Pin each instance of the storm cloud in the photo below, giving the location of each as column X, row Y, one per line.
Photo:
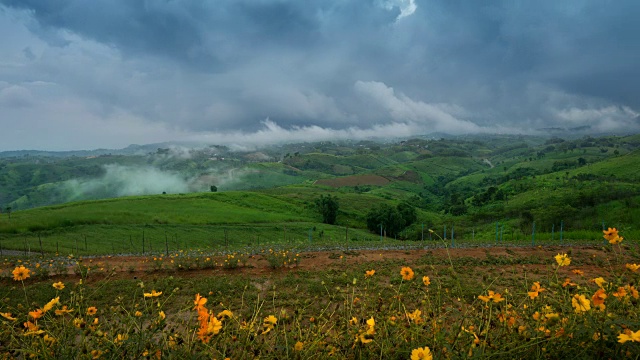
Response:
column 107, row 73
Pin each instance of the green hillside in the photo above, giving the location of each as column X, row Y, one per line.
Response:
column 466, row 183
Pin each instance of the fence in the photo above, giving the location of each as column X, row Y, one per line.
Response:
column 165, row 239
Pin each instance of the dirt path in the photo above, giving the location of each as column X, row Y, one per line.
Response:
column 128, row 267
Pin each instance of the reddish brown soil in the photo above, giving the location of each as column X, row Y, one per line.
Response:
column 129, row 267
column 355, row 180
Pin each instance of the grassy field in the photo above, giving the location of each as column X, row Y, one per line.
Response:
column 500, row 303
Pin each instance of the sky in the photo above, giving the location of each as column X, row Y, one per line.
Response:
column 77, row 74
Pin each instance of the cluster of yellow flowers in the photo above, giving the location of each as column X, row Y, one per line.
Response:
column 611, row 234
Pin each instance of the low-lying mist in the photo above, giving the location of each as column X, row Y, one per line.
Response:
column 120, row 180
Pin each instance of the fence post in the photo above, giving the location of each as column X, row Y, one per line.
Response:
column 561, row 232
column 533, row 234
column 496, row 239
column 453, row 244
column 553, row 229
column 445, row 232
column 501, row 231
column 40, row 241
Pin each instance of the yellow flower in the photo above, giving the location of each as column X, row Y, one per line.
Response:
column 369, row 273
column 629, row 335
column 137, row 314
column 492, row 296
column 96, row 354
column 269, row 323
column 563, row 259
column 225, row 314
column 59, row 285
column 426, row 281
column 120, row 338
column 7, row 316
column 48, row 306
column 162, row 315
column 633, row 267
column 153, row 293
column 21, row 273
column 92, row 310
column 415, row 316
column 421, row 354
column 63, row 311
column 371, row 323
column 611, row 234
column 353, row 321
column 407, row 273
column 48, row 339
column 599, row 281
column 578, row 272
column 78, row 322
column 298, row 346
column 580, row 303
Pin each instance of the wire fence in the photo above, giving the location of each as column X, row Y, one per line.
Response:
column 252, row 238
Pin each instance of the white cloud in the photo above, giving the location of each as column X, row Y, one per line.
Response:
column 407, row 7
column 15, row 96
column 436, row 117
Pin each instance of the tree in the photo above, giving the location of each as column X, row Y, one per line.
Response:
column 392, row 219
column 328, row 208
column 214, row 188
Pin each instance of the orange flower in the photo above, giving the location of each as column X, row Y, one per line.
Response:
column 36, row 314
column 21, row 273
column 426, row 281
column 199, row 302
column 63, row 311
column 620, row 293
column 578, row 272
column 407, row 273
column 92, row 310
column 598, row 298
column 567, row 282
column 369, row 273
column 492, row 296
column 633, row 267
column 536, row 289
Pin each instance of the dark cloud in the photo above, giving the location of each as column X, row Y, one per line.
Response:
column 191, row 67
